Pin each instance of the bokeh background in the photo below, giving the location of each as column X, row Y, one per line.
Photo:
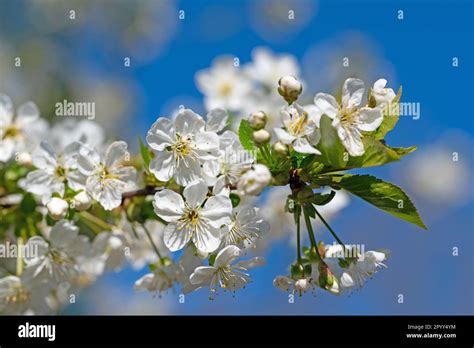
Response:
column 83, row 59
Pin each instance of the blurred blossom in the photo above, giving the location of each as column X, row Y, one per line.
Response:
column 223, row 85
column 323, row 63
column 113, row 98
column 141, row 28
column 433, row 174
column 281, row 20
column 49, row 16
column 71, row 130
column 250, row 88
column 267, row 67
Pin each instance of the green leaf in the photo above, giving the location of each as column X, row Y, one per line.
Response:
column 245, row 136
column 383, row 195
column 391, row 116
column 145, row 153
column 323, row 199
column 332, row 150
column 403, row 151
column 376, row 154
column 235, row 199
column 28, row 204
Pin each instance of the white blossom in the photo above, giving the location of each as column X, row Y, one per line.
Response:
column 300, row 129
column 21, row 133
column 190, row 220
column 233, row 160
column 358, row 269
column 107, row 179
column 383, row 96
column 54, row 171
column 246, row 227
column 181, row 147
column 163, row 277
column 267, row 67
column 25, row 295
column 224, row 272
column 223, row 85
column 56, row 257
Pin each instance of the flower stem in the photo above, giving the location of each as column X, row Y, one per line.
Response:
column 152, row 242
column 330, row 229
column 298, row 237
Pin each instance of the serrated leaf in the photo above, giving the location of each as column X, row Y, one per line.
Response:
column 385, row 196
column 391, row 116
column 331, row 148
column 245, row 136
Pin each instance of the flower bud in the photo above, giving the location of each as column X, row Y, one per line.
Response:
column 81, row 201
column 289, row 88
column 57, row 208
column 261, row 136
column 280, row 148
column 253, row 181
column 24, row 159
column 257, row 120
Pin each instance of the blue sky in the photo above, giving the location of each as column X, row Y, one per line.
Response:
column 415, row 52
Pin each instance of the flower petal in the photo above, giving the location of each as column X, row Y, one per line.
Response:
column 6, row 110
column 379, row 85
column 168, row 205
column 175, row 239
column 195, row 194
column 44, row 157
column 253, row 262
column 216, row 120
column 227, row 255
column 346, row 280
column 352, row 93
column 350, row 138
column 207, row 143
column 26, row 114
column 207, row 239
column 202, row 275
column 218, row 209
column 116, row 153
column 302, row 145
column 369, row 119
column 160, row 134
column 284, row 136
column 188, row 122
column 327, row 104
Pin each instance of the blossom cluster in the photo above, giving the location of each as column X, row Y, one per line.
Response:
column 86, row 206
